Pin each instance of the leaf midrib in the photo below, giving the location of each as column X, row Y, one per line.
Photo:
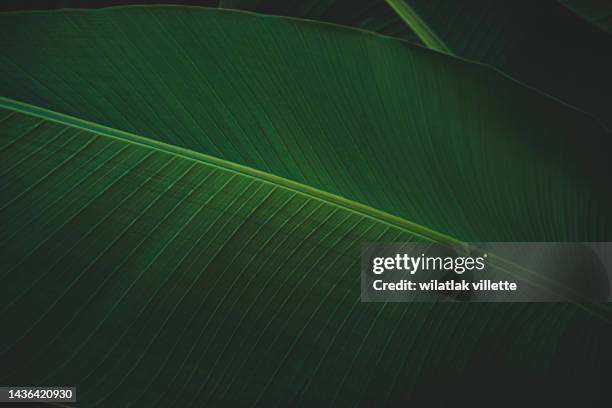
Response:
column 420, row 27
column 361, row 209
column 325, row 197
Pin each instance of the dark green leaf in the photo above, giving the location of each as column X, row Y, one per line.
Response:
column 11, row 5
column 372, row 15
column 538, row 42
column 154, row 276
column 150, row 274
column 432, row 139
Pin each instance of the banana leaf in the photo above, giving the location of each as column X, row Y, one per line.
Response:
column 372, row 15
column 13, row 5
column 393, row 126
column 364, row 14
column 185, row 193
column 539, row 42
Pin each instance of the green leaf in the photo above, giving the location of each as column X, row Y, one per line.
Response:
column 372, row 15
column 434, row 140
column 151, row 275
column 12, row 5
column 190, row 235
column 119, row 238
column 540, row 43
